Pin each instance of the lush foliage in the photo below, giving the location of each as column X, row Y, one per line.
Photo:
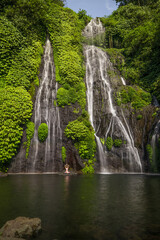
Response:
column 136, row 2
column 23, row 30
column 27, row 63
column 109, row 143
column 63, row 154
column 135, row 31
column 65, row 32
column 82, row 134
column 118, row 142
column 15, row 110
column 137, row 97
column 29, row 134
column 89, row 167
column 82, row 14
column 42, row 132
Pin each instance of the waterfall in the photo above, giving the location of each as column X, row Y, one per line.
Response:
column 123, row 81
column 155, row 143
column 46, row 111
column 100, row 95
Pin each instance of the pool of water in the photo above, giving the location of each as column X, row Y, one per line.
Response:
column 110, row 207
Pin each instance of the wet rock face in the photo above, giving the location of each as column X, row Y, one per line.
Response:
column 21, row 227
column 46, row 156
column 110, row 120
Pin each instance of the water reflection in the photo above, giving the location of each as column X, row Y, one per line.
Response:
column 110, row 207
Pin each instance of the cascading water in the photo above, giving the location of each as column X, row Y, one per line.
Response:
column 46, row 112
column 155, row 144
column 46, row 156
column 155, row 140
column 123, row 81
column 99, row 93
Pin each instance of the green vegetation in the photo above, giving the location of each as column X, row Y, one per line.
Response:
column 65, row 32
column 154, row 114
column 29, row 134
column 82, row 134
column 85, row 19
column 116, row 57
column 102, row 141
column 150, row 156
column 117, row 142
column 42, row 132
column 89, row 167
column 134, row 95
column 63, row 154
column 15, row 110
column 24, row 26
column 132, row 33
column 150, row 152
column 109, row 143
column 139, row 117
column 65, row 28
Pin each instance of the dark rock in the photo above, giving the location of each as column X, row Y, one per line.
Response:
column 21, row 227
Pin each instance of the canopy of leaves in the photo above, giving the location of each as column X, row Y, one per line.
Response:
column 23, row 29
column 15, row 110
column 135, row 30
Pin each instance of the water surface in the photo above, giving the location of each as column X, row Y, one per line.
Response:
column 110, row 207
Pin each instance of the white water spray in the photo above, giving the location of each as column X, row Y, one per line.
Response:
column 97, row 63
column 45, row 111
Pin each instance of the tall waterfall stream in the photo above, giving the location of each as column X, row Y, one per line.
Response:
column 98, row 82
column 44, row 157
column 45, row 111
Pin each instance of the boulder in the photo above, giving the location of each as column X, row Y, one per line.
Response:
column 21, row 227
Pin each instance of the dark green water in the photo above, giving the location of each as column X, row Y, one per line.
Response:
column 111, row 207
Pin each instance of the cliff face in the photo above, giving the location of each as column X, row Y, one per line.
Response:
column 46, row 156
column 121, row 130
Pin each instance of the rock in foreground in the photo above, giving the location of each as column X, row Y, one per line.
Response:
column 21, row 227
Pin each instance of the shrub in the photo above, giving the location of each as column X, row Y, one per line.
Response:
column 42, row 132
column 63, row 154
column 109, row 143
column 139, row 117
column 29, row 134
column 83, row 138
column 117, row 142
column 137, row 97
column 89, row 167
column 15, row 111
